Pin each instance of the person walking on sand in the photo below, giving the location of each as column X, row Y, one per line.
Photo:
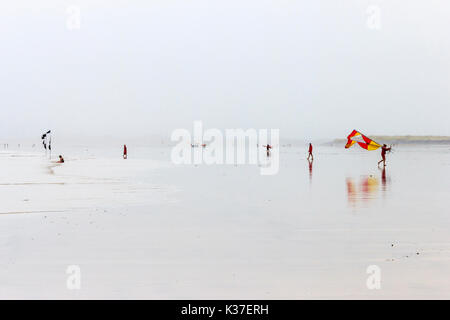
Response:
column 125, row 152
column 310, row 152
column 384, row 149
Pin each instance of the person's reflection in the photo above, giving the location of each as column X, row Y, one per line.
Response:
column 384, row 180
column 310, row 170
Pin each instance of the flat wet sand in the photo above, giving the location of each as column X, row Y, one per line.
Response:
column 144, row 228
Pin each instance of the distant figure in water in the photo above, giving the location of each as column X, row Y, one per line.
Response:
column 384, row 149
column 310, row 152
column 268, row 147
column 61, row 159
column 125, row 153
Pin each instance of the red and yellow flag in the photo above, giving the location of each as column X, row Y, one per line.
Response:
column 363, row 141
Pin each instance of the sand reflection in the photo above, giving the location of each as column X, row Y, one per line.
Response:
column 363, row 190
column 367, row 188
column 310, row 166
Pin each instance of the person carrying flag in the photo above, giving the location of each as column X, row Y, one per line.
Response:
column 384, row 149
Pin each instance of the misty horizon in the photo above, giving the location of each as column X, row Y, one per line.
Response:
column 313, row 70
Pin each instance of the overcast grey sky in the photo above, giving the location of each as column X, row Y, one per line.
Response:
column 314, row 69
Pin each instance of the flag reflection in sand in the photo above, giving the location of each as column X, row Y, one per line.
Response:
column 363, row 190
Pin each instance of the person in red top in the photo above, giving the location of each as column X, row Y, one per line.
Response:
column 125, row 155
column 384, row 149
column 310, row 152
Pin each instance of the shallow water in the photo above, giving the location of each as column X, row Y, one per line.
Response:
column 145, row 228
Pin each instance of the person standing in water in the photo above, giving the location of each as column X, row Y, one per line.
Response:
column 125, row 152
column 268, row 147
column 310, row 152
column 384, row 149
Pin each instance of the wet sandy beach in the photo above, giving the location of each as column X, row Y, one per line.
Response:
column 144, row 228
